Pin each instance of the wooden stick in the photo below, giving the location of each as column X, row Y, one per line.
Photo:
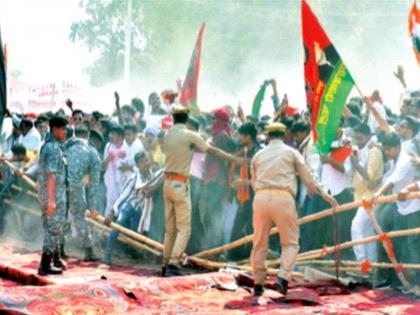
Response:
column 359, row 91
column 123, row 238
column 218, row 265
column 344, row 269
column 28, row 192
column 26, row 209
column 307, row 219
column 19, row 173
column 357, row 263
column 391, row 256
column 318, row 253
column 130, row 233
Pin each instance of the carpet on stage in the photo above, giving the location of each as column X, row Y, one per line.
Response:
column 92, row 288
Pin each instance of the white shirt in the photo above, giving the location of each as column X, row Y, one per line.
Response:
column 128, row 193
column 373, row 124
column 335, row 181
column 131, row 150
column 401, row 175
column 114, row 178
column 197, row 164
column 154, row 121
column 32, row 140
column 409, row 147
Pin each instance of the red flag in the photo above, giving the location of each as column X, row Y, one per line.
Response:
column 414, row 29
column 189, row 88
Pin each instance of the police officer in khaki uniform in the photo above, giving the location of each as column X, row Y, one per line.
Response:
column 179, row 146
column 274, row 179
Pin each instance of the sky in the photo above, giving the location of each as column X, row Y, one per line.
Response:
column 36, row 33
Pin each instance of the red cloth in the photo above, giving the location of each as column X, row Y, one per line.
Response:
column 292, row 111
column 167, row 122
column 93, row 288
column 222, row 122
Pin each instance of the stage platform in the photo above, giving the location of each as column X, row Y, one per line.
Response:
column 92, row 288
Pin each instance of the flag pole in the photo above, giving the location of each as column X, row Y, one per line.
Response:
column 359, row 90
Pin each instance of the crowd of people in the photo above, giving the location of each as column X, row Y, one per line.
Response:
column 117, row 165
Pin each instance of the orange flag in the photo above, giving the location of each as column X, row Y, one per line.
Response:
column 414, row 29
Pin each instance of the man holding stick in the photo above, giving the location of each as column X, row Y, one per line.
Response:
column 180, row 144
column 403, row 214
column 52, row 193
column 274, row 179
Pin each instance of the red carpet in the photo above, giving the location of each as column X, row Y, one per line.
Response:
column 98, row 289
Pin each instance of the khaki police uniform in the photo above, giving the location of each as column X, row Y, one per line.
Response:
column 274, row 173
column 180, row 144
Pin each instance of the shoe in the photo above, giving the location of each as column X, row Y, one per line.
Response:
column 258, row 290
column 282, row 285
column 45, row 267
column 89, row 256
column 63, row 254
column 58, row 262
column 174, row 271
column 163, row 272
column 107, row 258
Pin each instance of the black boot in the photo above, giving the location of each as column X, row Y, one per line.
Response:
column 58, row 262
column 258, row 290
column 45, row 267
column 282, row 285
column 62, row 252
column 89, row 256
column 163, row 272
column 173, row 271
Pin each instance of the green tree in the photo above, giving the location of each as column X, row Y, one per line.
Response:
column 240, row 36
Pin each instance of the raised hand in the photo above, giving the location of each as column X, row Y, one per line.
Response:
column 69, row 104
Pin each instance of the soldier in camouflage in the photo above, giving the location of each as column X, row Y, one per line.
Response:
column 84, row 169
column 52, row 192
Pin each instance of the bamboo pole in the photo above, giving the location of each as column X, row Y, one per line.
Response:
column 388, row 250
column 319, row 253
column 357, row 264
column 219, row 265
column 26, row 209
column 199, row 261
column 28, row 192
column 343, row 269
column 19, row 173
column 306, row 219
column 99, row 218
column 123, row 238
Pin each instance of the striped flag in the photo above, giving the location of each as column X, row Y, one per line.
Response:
column 328, row 82
column 414, row 29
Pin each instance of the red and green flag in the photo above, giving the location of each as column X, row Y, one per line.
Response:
column 189, row 88
column 328, row 82
column 414, row 29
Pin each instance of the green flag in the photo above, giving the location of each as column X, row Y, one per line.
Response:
column 256, row 106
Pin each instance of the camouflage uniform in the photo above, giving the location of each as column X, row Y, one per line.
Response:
column 52, row 160
column 83, row 160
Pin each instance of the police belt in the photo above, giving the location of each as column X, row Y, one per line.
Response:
column 274, row 192
column 176, row 177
